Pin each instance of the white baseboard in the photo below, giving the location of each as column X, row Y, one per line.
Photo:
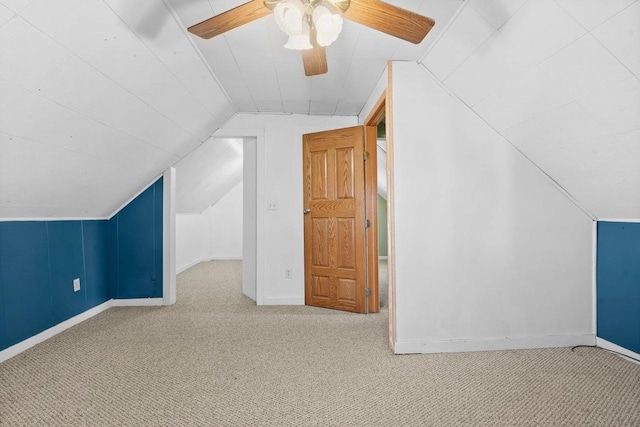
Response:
column 18, row 348
column 137, row 302
column 189, row 265
column 283, row 301
column 614, row 347
column 458, row 346
column 199, row 260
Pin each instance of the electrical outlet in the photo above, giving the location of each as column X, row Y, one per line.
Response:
column 272, row 205
column 287, row 273
column 76, row 285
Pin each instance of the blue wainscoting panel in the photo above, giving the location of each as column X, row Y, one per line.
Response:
column 96, row 262
column 618, row 284
column 112, row 255
column 67, row 263
column 24, row 280
column 119, row 258
column 139, row 246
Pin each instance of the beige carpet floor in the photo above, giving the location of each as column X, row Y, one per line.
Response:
column 216, row 359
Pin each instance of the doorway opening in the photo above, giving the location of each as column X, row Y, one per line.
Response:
column 379, row 123
column 216, row 206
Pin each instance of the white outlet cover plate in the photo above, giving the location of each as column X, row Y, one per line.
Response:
column 76, row 285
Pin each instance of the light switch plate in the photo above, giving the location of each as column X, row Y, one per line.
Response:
column 76, row 285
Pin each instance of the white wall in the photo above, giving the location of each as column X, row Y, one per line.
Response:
column 225, row 218
column 280, row 232
column 250, row 218
column 215, row 233
column 191, row 240
column 489, row 253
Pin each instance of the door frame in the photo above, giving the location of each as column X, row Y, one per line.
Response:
column 256, row 269
column 382, row 109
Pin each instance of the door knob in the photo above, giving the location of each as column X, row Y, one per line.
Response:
column 306, row 211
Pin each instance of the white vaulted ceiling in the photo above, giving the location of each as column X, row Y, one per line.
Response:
column 92, row 108
column 208, row 173
column 260, row 75
column 560, row 80
column 99, row 97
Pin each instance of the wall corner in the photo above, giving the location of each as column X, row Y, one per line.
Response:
column 169, row 237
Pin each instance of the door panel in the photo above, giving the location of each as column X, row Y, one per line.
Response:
column 334, row 226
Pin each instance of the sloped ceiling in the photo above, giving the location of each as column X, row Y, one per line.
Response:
column 98, row 97
column 560, row 80
column 260, row 75
column 208, row 173
column 93, row 105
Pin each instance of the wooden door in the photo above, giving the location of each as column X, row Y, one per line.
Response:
column 334, row 222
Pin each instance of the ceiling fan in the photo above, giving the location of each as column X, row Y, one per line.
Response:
column 313, row 24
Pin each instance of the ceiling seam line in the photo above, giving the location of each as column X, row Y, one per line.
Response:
column 615, row 56
column 590, row 32
column 244, row 80
column 90, row 118
column 446, row 28
column 178, row 21
column 159, row 60
column 71, row 151
column 104, row 75
column 552, row 181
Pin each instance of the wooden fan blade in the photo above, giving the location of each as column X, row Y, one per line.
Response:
column 315, row 61
column 231, row 19
column 390, row 19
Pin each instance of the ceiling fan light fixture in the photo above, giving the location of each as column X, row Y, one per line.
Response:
column 300, row 41
column 289, row 16
column 328, row 25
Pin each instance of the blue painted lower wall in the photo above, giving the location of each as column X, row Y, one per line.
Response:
column 119, row 258
column 38, row 262
column 135, row 247
column 618, row 284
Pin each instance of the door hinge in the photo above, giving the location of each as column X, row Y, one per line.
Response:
column 367, row 223
column 367, row 292
column 366, row 155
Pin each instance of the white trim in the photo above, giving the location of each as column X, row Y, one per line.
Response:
column 189, row 265
column 137, row 302
column 383, row 257
column 18, row 348
column 455, row 346
column 594, row 266
column 134, row 197
column 207, row 259
column 238, row 133
column 614, row 347
column 283, row 301
column 261, row 155
column 619, row 219
column 51, row 219
column 260, row 184
column 169, row 236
